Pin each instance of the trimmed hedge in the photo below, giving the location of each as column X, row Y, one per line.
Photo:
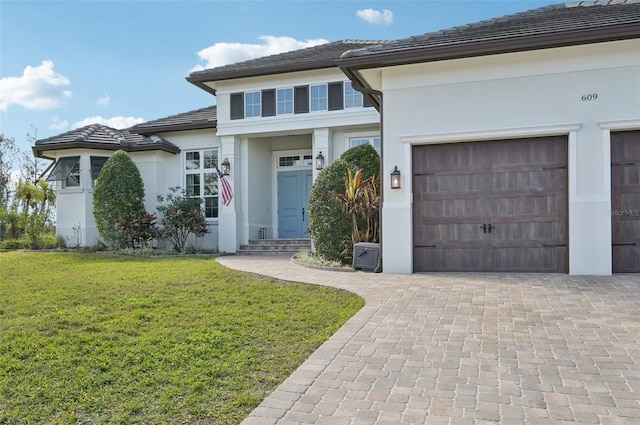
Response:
column 329, row 224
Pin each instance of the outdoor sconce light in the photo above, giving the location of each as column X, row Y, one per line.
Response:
column 226, row 167
column 319, row 161
column 395, row 178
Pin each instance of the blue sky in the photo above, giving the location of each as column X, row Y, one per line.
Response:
column 64, row 64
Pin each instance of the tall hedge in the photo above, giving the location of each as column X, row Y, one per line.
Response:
column 118, row 195
column 329, row 224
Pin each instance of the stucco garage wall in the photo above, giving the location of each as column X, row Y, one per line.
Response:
column 577, row 91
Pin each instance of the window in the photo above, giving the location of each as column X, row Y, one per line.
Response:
column 66, row 170
column 352, row 97
column 97, row 162
column 201, row 179
column 373, row 141
column 252, row 104
column 285, row 101
column 319, row 97
column 295, row 161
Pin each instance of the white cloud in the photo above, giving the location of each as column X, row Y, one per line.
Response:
column 104, row 100
column 57, row 124
column 221, row 54
column 39, row 87
column 384, row 17
column 114, row 122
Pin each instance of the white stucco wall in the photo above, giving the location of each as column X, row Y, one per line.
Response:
column 515, row 95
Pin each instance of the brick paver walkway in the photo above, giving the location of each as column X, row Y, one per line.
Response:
column 466, row 349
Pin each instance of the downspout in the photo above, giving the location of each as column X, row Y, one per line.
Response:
column 376, row 98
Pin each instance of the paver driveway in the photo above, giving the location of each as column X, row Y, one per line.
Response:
column 466, row 349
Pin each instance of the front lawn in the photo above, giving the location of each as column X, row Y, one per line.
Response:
column 93, row 339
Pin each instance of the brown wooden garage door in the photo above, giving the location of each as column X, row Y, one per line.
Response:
column 625, row 201
column 491, row 206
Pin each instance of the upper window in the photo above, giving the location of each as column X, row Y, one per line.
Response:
column 67, row 170
column 252, row 104
column 319, row 97
column 352, row 97
column 285, row 101
column 373, row 141
column 201, row 179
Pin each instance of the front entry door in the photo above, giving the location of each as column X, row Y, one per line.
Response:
column 293, row 194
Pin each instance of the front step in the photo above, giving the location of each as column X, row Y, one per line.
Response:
column 288, row 247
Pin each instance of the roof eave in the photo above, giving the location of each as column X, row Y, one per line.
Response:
column 492, row 47
column 39, row 150
column 222, row 75
column 151, row 130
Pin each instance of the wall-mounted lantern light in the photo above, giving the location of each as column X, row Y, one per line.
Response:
column 319, row 161
column 226, row 167
column 395, row 178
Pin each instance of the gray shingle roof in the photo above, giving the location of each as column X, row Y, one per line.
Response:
column 317, row 57
column 192, row 120
column 98, row 136
column 551, row 26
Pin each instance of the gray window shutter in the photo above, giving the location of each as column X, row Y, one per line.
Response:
column 366, row 102
column 301, row 99
column 268, row 103
column 237, row 106
column 336, row 96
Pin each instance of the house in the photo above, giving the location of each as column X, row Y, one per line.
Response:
column 517, row 142
column 274, row 116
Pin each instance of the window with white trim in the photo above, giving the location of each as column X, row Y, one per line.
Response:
column 352, row 97
column 373, row 141
column 318, row 95
column 285, row 101
column 201, row 179
column 252, row 104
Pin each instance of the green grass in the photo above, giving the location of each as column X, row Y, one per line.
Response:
column 90, row 339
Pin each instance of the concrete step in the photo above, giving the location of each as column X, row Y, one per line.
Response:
column 274, row 247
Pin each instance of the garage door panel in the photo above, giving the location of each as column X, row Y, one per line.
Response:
column 625, row 201
column 513, row 203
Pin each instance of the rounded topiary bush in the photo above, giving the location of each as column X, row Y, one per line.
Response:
column 329, row 224
column 118, row 195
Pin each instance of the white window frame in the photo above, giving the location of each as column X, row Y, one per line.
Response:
column 322, row 101
column 352, row 97
column 370, row 139
column 252, row 108
column 284, row 101
column 208, row 191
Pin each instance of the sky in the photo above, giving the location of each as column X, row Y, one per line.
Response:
column 66, row 64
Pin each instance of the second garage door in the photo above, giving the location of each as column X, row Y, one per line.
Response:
column 491, row 206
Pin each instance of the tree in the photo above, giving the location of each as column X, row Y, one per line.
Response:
column 118, row 196
column 8, row 154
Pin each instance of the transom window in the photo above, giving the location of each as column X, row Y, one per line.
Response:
column 318, row 97
column 295, row 161
column 285, row 101
column 252, row 104
column 373, row 141
column 201, row 179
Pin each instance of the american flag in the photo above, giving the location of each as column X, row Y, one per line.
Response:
column 227, row 193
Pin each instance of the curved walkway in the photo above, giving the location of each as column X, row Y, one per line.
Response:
column 466, row 349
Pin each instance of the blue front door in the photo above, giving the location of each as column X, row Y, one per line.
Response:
column 293, row 194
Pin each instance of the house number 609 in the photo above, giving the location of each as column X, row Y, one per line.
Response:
column 589, row 97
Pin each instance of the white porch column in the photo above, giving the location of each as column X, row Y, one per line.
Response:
column 321, row 143
column 228, row 226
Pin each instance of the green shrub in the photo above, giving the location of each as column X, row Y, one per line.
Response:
column 182, row 219
column 330, row 225
column 12, row 244
column 118, row 194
